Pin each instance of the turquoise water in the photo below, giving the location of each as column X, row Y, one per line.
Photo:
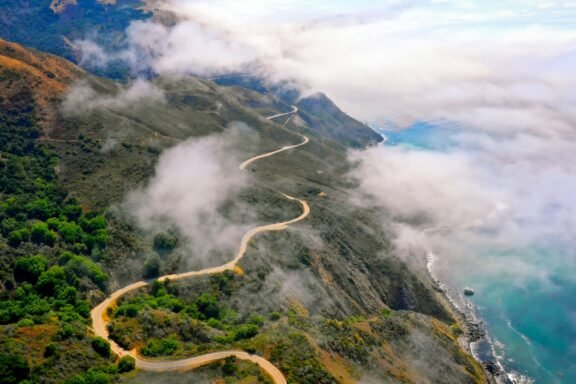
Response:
column 534, row 321
column 526, row 294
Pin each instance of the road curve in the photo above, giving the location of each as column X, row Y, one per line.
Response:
column 292, row 112
column 286, row 148
column 100, row 318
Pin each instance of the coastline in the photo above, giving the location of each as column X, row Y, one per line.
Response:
column 475, row 338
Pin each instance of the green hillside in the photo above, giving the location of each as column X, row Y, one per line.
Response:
column 65, row 244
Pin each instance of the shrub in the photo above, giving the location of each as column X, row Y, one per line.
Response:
column 256, row 319
column 165, row 242
column 72, row 211
column 15, row 238
column 164, row 347
column 25, row 323
column 51, row 350
column 39, row 209
column 72, row 330
column 13, row 369
column 246, row 331
column 208, row 307
column 30, row 268
column 51, row 281
column 41, row 234
column 171, row 303
column 101, row 346
column 152, row 267
column 229, row 367
column 129, row 310
column 96, row 240
column 126, row 364
column 81, row 266
column 70, row 232
column 456, row 330
column 93, row 224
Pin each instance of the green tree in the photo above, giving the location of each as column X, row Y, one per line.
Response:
column 101, row 346
column 51, row 349
column 30, row 268
column 97, row 239
column 93, row 224
column 81, row 266
column 165, row 242
column 41, row 234
column 8, row 225
column 72, row 211
column 208, row 306
column 126, row 364
column 53, row 223
column 39, row 209
column 129, row 310
column 13, row 369
column 70, row 232
column 229, row 366
column 15, row 238
column 51, row 281
column 152, row 267
column 246, row 331
column 164, row 347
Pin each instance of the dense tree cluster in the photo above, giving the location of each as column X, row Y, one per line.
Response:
column 202, row 320
column 50, row 248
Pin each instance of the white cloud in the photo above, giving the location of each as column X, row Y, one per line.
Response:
column 82, row 97
column 192, row 182
column 500, row 70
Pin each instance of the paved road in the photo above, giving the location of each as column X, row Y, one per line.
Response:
column 100, row 318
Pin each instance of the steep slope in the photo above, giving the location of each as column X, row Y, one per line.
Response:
column 353, row 309
column 57, row 21
column 33, row 80
column 321, row 114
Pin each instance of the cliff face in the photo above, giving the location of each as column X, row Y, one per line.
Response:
column 355, row 311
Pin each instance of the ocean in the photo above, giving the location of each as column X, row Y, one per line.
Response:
column 525, row 287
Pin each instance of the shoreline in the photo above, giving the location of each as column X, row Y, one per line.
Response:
column 475, row 339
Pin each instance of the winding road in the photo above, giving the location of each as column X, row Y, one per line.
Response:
column 292, row 113
column 100, row 318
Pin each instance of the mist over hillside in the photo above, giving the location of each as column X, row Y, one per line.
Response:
column 201, row 191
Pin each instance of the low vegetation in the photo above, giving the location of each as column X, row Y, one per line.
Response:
column 163, row 324
column 313, row 301
column 49, row 252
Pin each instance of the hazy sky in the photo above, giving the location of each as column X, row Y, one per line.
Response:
column 399, row 60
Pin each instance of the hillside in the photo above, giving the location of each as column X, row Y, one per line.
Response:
column 354, row 310
column 57, row 22
column 33, row 80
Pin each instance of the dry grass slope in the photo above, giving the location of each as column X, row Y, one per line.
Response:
column 45, row 76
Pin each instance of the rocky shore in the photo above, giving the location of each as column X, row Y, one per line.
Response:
column 475, row 338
